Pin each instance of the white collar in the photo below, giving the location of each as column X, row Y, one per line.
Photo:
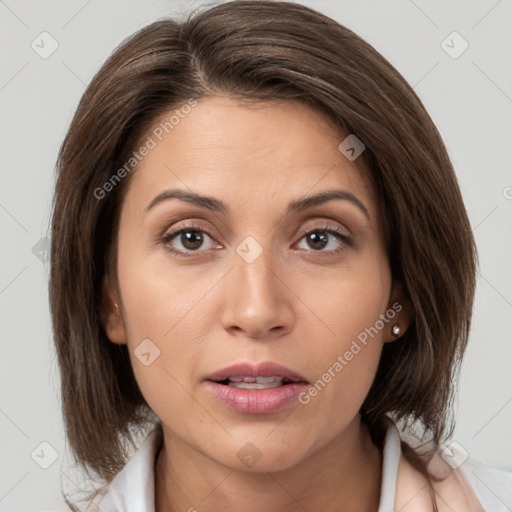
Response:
column 133, row 488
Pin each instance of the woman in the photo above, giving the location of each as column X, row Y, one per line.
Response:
column 262, row 261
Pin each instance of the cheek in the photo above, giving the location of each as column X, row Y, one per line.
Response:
column 160, row 299
column 349, row 302
column 352, row 306
column 161, row 326
column 350, row 356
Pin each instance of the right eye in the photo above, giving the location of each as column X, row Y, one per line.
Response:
column 190, row 238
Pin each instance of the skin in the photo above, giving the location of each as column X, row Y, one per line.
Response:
column 297, row 304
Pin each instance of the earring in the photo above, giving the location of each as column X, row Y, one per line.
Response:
column 395, row 330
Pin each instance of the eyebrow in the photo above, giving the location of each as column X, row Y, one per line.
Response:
column 215, row 205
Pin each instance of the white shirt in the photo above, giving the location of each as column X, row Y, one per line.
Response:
column 133, row 488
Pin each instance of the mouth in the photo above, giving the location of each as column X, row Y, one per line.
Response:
column 265, row 388
column 245, row 382
column 256, row 376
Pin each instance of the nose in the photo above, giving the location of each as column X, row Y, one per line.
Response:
column 258, row 300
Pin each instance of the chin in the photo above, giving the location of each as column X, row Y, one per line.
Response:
column 262, row 457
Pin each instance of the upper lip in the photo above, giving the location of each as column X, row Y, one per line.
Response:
column 265, row 369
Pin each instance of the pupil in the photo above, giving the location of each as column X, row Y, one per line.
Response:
column 191, row 239
column 313, row 237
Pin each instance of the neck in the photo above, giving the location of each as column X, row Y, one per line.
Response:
column 346, row 472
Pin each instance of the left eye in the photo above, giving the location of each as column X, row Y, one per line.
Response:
column 318, row 239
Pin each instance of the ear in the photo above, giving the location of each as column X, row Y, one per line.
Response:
column 111, row 315
column 399, row 313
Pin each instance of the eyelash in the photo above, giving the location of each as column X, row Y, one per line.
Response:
column 347, row 242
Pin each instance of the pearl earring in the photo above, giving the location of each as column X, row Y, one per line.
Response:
column 395, row 330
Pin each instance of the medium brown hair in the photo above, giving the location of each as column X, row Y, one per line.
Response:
column 258, row 50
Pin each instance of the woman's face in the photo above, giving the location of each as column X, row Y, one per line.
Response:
column 252, row 282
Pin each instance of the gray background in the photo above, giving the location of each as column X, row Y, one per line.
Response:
column 469, row 98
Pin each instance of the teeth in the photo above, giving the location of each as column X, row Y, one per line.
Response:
column 255, row 385
column 242, row 382
column 259, row 380
column 245, row 382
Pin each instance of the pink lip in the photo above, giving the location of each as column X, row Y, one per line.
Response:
column 256, row 401
column 265, row 369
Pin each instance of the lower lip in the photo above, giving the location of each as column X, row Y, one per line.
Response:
column 257, row 401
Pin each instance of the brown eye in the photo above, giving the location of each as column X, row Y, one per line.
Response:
column 189, row 239
column 320, row 238
column 316, row 241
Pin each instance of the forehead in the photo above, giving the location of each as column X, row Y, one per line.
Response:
column 268, row 150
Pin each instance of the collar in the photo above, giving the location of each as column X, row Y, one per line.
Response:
column 133, row 488
column 402, row 486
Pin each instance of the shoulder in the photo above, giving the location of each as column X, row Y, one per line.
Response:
column 459, row 483
column 132, row 489
column 492, row 486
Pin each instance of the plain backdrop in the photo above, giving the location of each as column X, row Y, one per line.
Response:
column 469, row 97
